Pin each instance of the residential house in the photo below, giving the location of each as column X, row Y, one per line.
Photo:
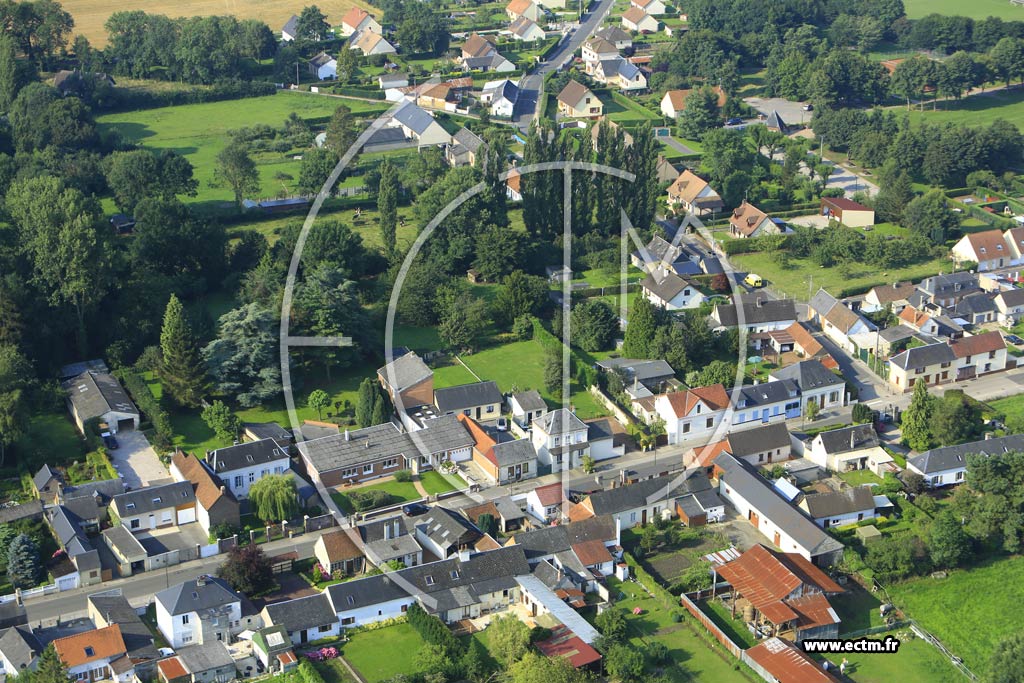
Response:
column 19, row 650
column 357, row 19
column 506, row 512
column 305, row 619
column 242, row 465
column 513, row 185
column 767, row 402
column 946, row 290
column 788, row 595
column 672, row 292
column 408, row 381
column 692, row 414
column 855, row 447
column 526, row 30
column 759, row 314
column 371, row 43
column 463, row 149
column 987, row 249
column 495, row 63
column 381, row 450
column 665, row 171
column 107, row 609
column 596, row 50
column 337, row 551
column 545, row 502
column 652, row 7
column 97, row 655
column 847, row 212
column 759, row 446
column 1009, row 304
column 659, row 253
column 71, row 537
column 434, row 96
column 616, row 36
column 47, row 483
column 896, row 296
column 620, row 73
column 635, row 19
column 479, row 400
column 522, row 8
column 606, row 440
column 981, row 308
column 749, row 221
column 560, row 439
column 526, row 406
column 948, row 465
column 839, row 508
column 204, row 663
column 693, row 194
column 323, row 67
column 779, row 660
column 203, row 610
column 393, row 80
column 797, row 339
column 95, row 395
column 155, row 507
column 838, row 322
column 290, row 29
column 216, row 506
column 419, row 126
column 1015, row 241
column 933, row 324
column 653, row 374
column 502, row 462
column 777, row 520
column 501, row 97
column 131, row 556
column 816, row 383
column 444, row 532
column 388, row 539
column 577, row 101
column 979, row 354
column 477, row 45
column 673, row 102
column 645, row 501
column 273, row 648
column 930, row 364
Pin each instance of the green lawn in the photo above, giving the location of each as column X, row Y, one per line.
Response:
column 977, row 9
column 796, row 281
column 1012, row 406
column 915, row 660
column 384, row 652
column 199, row 132
column 978, row 110
column 434, row 482
column 400, row 491
column 450, row 373
column 49, row 438
column 732, row 627
column 860, row 477
column 970, row 611
column 857, row 609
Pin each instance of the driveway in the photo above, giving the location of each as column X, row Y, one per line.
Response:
column 738, row 530
column 184, row 537
column 136, row 461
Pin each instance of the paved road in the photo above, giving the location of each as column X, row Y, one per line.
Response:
column 530, row 85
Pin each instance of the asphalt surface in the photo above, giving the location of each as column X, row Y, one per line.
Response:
column 530, row 85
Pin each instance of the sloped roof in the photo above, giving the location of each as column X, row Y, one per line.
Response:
column 522, row 25
column 972, row 345
column 530, row 400
column 197, row 594
column 757, row 310
column 622, row 498
column 767, row 393
column 838, row 503
column 804, row 339
column 151, row 498
column 898, row 291
column 614, row 34
column 95, row 394
column 634, row 15
column 682, row 402
column 414, row 118
column 205, row 657
column 787, row 663
column 246, row 454
column 775, row 121
column 354, row 17
column 955, row 457
column 518, row 6
column 44, row 475
column 405, row 371
column 749, row 441
column 987, row 244
column 746, row 218
column 846, row 439
column 291, row 25
column 340, row 546
column 808, row 374
column 208, row 487
column 462, row 396
column 923, row 356
column 478, row 46
column 302, row 613
column 90, row 646
column 20, row 647
column 600, row 46
column 446, row 528
column 572, row 93
column 688, row 185
column 549, row 494
column 559, row 421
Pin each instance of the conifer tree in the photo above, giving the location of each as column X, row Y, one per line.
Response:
column 182, row 371
column 917, row 418
column 23, row 567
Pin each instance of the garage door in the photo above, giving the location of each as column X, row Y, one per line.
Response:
column 186, row 516
column 125, row 425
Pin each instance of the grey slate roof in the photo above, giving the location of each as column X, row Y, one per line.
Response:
column 852, row 438
column 768, row 311
column 514, row 452
column 759, row 439
column 20, row 647
column 647, row 492
column 267, row 430
column 124, row 541
column 447, row 528
column 755, row 490
column 485, row 63
column 458, row 398
column 408, row 370
column 508, row 509
column 392, row 548
column 550, row 540
column 559, row 421
column 205, row 657
column 291, row 26
column 613, row 34
column 44, row 475
column 985, row 303
column 946, row 284
column 822, row 302
column 641, row 370
column 359, row 593
column 414, row 118
column 505, row 89
column 955, row 457
column 67, row 527
column 444, row 433
column 152, row 498
column 190, row 596
column 96, row 394
column 665, row 285
column 138, row 640
column 808, row 374
column 838, row 503
column 775, row 121
column 106, row 488
column 896, row 333
column 244, row 455
column 76, row 369
column 468, row 139
column 923, row 356
column 32, row 508
column 302, row 613
column 530, row 400
column 373, row 530
column 767, row 393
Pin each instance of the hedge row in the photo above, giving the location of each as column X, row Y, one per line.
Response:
column 125, row 99
column 749, row 246
column 308, row 672
column 357, row 91
column 653, row 587
column 146, row 402
column 432, row 630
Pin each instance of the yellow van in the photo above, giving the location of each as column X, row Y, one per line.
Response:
column 753, row 280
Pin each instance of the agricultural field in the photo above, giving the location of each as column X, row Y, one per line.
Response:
column 90, row 15
column 978, row 9
column 977, row 110
column 199, row 132
column 967, row 610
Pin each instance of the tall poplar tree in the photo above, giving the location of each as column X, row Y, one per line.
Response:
column 182, row 370
column 387, row 207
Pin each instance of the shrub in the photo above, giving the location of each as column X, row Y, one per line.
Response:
column 403, row 476
column 370, row 499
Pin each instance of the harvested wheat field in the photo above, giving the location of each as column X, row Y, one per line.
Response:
column 90, row 15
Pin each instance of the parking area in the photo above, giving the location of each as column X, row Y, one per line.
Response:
column 792, row 113
column 136, row 461
column 738, row 530
column 185, row 537
column 812, row 221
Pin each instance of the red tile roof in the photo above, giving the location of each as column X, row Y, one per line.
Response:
column 566, row 644
column 787, row 663
column 354, row 17
column 978, row 343
column 592, row 552
column 682, row 402
column 484, row 442
column 172, row 668
column 844, row 204
column 287, row 657
column 550, row 494
column 90, row 646
column 340, row 546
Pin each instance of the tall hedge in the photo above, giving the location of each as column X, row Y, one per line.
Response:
column 146, row 402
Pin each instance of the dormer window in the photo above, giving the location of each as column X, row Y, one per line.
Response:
column 89, row 652
column 130, row 506
column 156, row 501
column 429, row 580
column 455, row 573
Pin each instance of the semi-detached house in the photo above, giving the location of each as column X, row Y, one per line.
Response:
column 560, row 439
column 215, row 504
column 838, row 508
column 942, row 362
column 948, row 465
column 816, row 383
column 242, row 465
column 154, row 507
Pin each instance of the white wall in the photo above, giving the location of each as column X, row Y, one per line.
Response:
column 767, row 528
column 238, row 481
column 374, row 613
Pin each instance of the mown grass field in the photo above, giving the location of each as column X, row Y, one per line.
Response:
column 978, row 9
column 977, row 110
column 199, row 132
column 90, row 15
column 385, row 652
column 968, row 610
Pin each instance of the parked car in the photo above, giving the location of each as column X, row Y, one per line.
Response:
column 734, row 122
column 808, row 107
column 502, row 424
column 1014, row 339
column 109, row 441
column 753, row 280
column 415, row 509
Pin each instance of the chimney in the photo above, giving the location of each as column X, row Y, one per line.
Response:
column 760, row 302
column 367, row 444
column 346, row 435
column 988, row 435
column 853, row 439
column 223, row 489
column 387, row 531
column 465, row 554
column 201, row 580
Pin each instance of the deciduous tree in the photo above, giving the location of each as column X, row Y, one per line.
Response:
column 275, row 498
column 247, row 570
column 219, row 417
column 509, row 639
column 319, row 401
column 236, row 169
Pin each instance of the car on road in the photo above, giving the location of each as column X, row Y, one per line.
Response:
column 734, row 122
column 753, row 280
column 415, row 509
